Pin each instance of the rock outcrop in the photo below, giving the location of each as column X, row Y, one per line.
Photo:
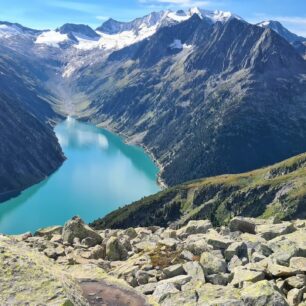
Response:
column 197, row 264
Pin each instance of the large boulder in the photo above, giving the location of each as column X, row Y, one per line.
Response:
column 212, row 264
column 298, row 263
column 177, row 281
column 217, row 241
column 115, row 250
column 76, row 228
column 281, row 271
column 174, row 270
column 237, row 248
column 244, row 225
column 195, row 270
column 262, row 293
column 197, row 246
column 298, row 281
column 270, row 231
column 195, row 227
column 295, row 296
column 163, row 290
column 242, row 275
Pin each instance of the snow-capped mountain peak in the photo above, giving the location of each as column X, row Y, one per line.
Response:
column 8, row 29
column 114, row 35
column 78, row 30
column 214, row 16
column 277, row 27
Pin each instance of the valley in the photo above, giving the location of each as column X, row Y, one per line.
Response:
column 195, row 117
column 176, row 83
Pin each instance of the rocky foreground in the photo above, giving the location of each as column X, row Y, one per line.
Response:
column 250, row 262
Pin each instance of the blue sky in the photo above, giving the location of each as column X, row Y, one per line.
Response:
column 43, row 14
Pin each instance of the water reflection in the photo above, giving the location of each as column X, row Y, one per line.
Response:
column 83, row 135
column 100, row 174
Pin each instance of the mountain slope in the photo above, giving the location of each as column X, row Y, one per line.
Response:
column 298, row 42
column 29, row 150
column 205, row 99
column 278, row 191
column 281, row 30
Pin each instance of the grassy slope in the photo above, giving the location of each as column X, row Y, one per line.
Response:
column 278, row 190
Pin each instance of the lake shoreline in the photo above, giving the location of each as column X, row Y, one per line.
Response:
column 102, row 173
column 127, row 140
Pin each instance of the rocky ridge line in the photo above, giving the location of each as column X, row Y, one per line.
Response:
column 250, row 262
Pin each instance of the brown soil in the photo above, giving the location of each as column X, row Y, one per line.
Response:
column 100, row 293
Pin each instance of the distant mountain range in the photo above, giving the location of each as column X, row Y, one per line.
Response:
column 206, row 92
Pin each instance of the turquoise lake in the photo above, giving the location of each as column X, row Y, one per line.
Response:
column 101, row 173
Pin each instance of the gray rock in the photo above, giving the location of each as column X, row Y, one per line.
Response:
column 142, row 277
column 147, row 288
column 75, row 228
column 195, row 227
column 222, row 279
column 256, row 257
column 295, row 296
column 298, row 281
column 281, row 271
column 48, row 232
column 236, row 248
column 197, row 247
column 88, row 242
column 97, row 252
column 244, row 225
column 212, row 264
column 195, row 270
column 54, row 253
column 177, row 281
column 186, row 255
column 174, row 271
column 298, row 263
column 163, row 290
column 115, row 250
column 57, row 239
column 169, row 242
column 218, row 242
column 169, row 233
column 262, row 293
column 234, row 262
column 181, row 298
column 242, row 275
column 270, row 231
column 131, row 233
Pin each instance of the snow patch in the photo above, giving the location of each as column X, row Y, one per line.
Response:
column 51, row 38
column 117, row 41
column 8, row 30
column 178, row 18
column 177, row 44
column 214, row 16
column 264, row 24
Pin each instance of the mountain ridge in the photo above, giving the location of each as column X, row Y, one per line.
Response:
column 265, row 58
